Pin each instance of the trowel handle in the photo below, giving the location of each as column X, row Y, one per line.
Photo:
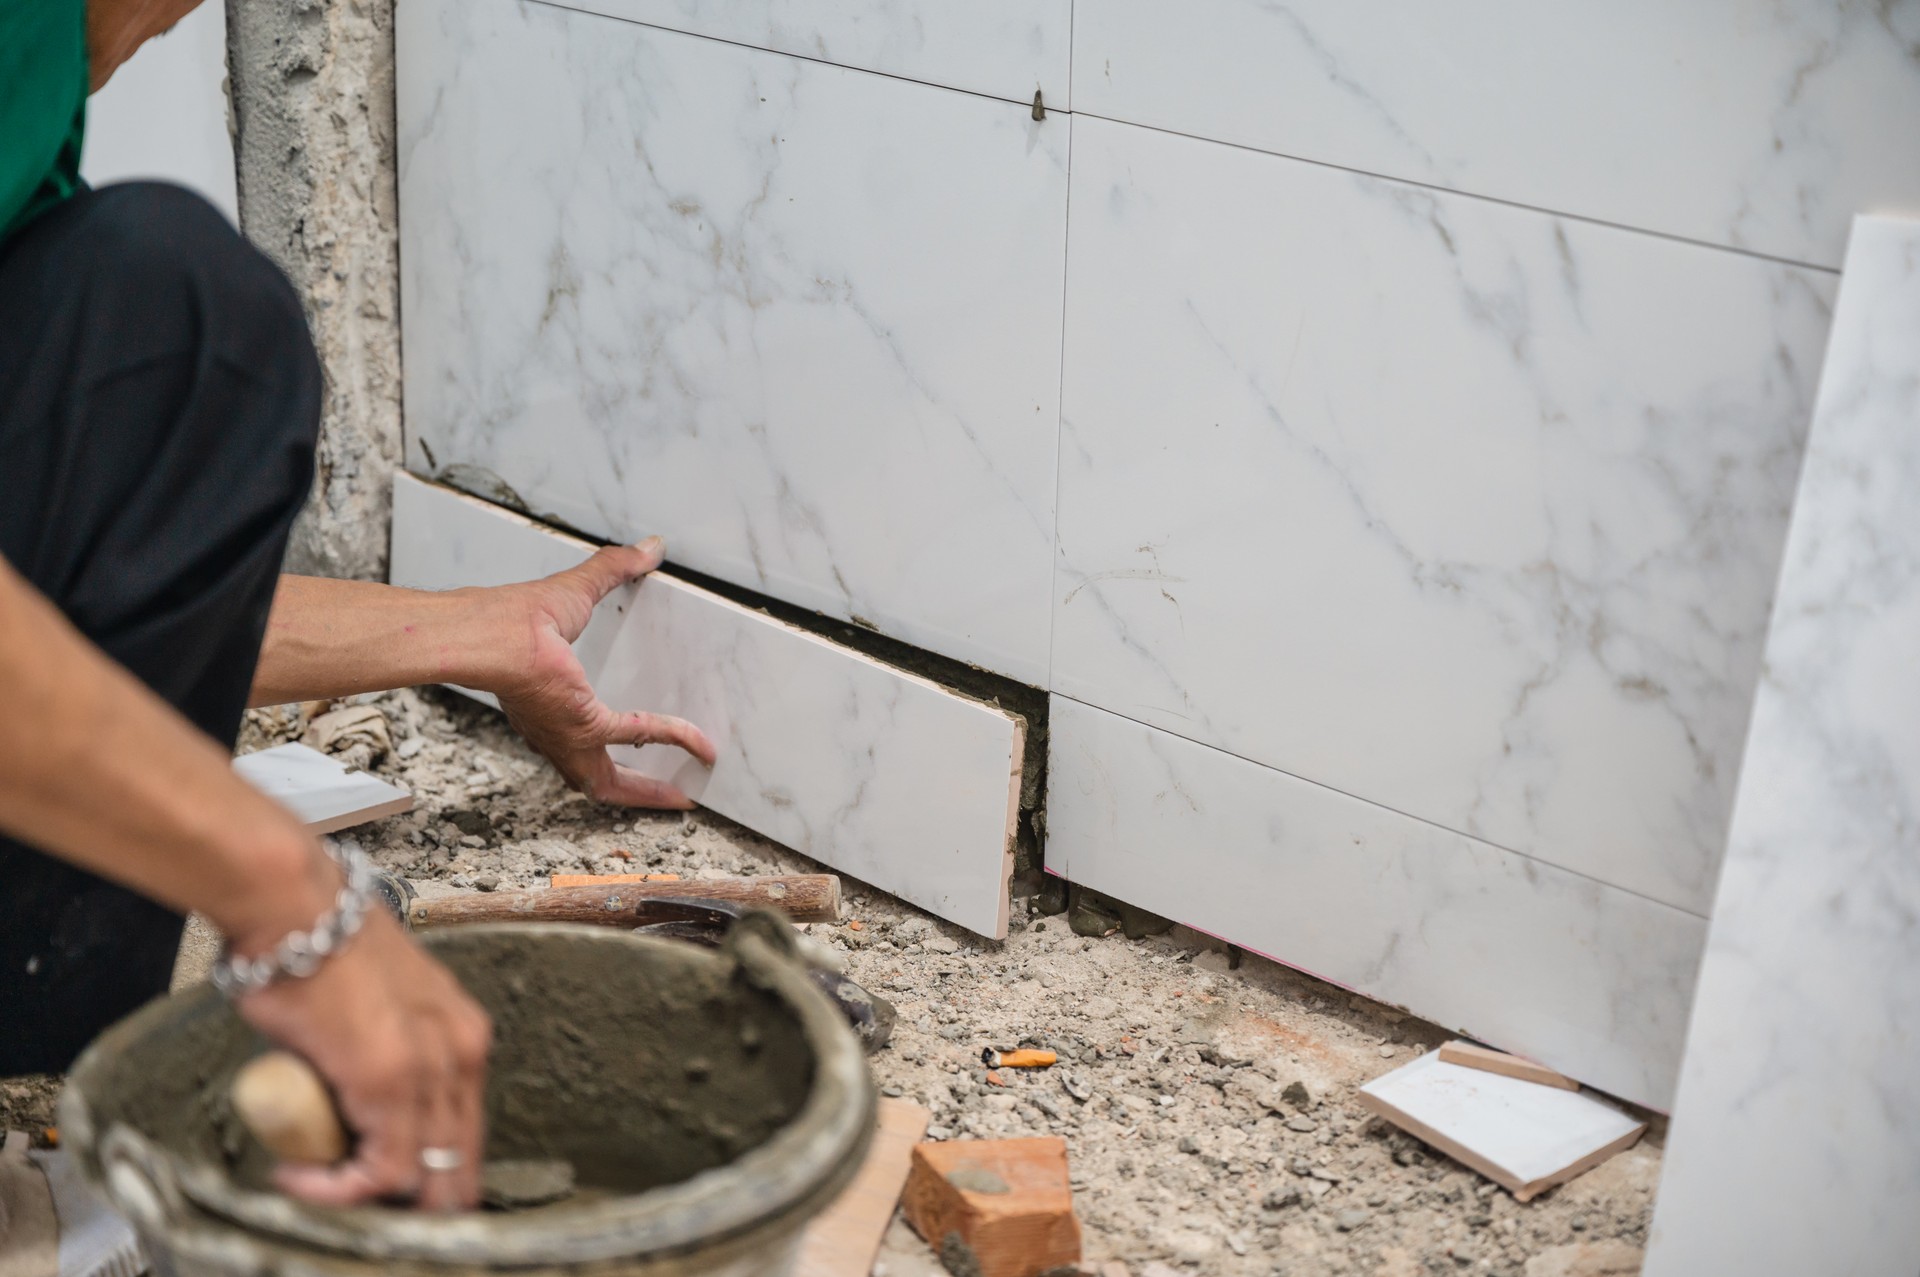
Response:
column 289, row 1109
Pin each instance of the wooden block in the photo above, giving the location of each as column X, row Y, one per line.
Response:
column 843, row 1241
column 1473, row 1056
column 1007, row 1201
column 594, row 880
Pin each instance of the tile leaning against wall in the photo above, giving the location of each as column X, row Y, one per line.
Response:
column 802, row 320
column 1794, row 1139
column 1463, row 510
column 1587, row 978
column 1006, row 48
column 1763, row 127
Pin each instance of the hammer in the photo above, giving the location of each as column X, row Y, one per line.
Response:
column 802, row 897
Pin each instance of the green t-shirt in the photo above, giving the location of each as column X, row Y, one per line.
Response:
column 43, row 106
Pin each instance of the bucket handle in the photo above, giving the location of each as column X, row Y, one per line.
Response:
column 140, row 1180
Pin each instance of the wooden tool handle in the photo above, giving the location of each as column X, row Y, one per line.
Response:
column 289, row 1109
column 802, row 897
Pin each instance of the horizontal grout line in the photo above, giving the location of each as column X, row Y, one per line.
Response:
column 1380, row 806
column 1471, row 195
column 580, row 6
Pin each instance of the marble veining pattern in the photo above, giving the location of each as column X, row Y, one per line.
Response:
column 803, row 320
column 1007, row 48
column 1762, row 127
column 1586, row 978
column 1796, row 1139
column 871, row 770
column 1461, row 509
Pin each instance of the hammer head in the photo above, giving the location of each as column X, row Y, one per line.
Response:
column 396, row 893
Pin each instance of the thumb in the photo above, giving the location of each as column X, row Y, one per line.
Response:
column 613, row 566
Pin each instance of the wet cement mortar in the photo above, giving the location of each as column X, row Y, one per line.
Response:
column 1222, row 1132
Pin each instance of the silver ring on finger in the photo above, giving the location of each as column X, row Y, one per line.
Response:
column 441, row 1159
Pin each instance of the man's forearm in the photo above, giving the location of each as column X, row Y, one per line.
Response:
column 330, row 638
column 98, row 771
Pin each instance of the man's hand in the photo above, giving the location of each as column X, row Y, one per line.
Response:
column 340, row 638
column 551, row 703
column 405, row 1050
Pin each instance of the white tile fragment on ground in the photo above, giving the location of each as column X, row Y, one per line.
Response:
column 320, row 791
column 1522, row 1135
column 871, row 770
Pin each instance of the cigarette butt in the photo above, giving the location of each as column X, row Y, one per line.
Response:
column 1017, row 1059
column 52, row 1136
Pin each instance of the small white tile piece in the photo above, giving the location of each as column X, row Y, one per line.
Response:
column 1795, row 1145
column 871, row 770
column 1007, row 48
column 801, row 320
column 1462, row 509
column 1588, row 979
column 320, row 790
column 1522, row 1135
column 1764, row 127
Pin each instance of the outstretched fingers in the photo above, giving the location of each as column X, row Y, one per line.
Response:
column 660, row 729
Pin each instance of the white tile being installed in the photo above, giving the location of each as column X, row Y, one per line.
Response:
column 1764, row 127
column 1007, row 48
column 873, row 771
column 802, row 320
column 1587, row 979
column 1795, row 1145
column 319, row 790
column 1461, row 509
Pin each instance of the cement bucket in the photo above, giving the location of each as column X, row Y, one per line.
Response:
column 711, row 1102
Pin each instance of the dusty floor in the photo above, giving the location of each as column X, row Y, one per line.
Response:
column 1195, row 1147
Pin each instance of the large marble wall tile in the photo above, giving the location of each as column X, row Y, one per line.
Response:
column 1759, row 126
column 1796, row 1137
column 164, row 114
column 1462, row 509
column 803, row 320
column 1587, row 978
column 1007, row 48
column 871, row 770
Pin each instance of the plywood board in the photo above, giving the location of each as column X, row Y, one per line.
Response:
column 843, row 1241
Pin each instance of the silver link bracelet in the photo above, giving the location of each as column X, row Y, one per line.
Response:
column 300, row 954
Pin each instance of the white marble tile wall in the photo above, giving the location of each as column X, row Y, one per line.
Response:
column 1462, row 509
column 1589, row 979
column 1796, row 1137
column 1764, row 127
column 1007, row 48
column 866, row 768
column 803, row 320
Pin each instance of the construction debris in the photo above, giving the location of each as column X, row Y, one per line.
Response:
column 1521, row 1135
column 357, row 735
column 995, row 1208
column 1004, row 1058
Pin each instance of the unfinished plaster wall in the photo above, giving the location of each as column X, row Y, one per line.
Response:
column 313, row 110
